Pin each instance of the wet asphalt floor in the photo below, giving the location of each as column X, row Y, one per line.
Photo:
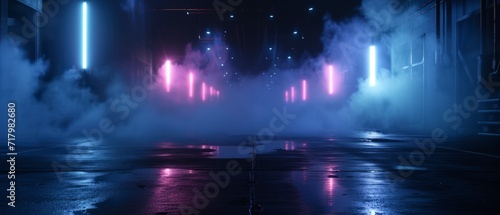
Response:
column 365, row 174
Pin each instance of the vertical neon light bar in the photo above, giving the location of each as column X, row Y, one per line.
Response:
column 84, row 35
column 168, row 75
column 191, row 82
column 304, row 90
column 292, row 91
column 330, row 80
column 203, row 91
column 373, row 66
column 286, row 96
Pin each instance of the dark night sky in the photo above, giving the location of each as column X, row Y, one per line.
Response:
column 251, row 31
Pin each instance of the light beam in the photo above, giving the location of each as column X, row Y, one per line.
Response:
column 373, row 66
column 168, row 75
column 191, row 82
column 330, row 80
column 203, row 91
column 84, row 35
column 304, row 90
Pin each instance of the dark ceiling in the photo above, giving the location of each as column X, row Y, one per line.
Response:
column 253, row 27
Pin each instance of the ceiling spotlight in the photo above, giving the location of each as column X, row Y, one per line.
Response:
column 310, row 9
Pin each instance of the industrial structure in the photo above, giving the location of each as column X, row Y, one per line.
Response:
column 455, row 50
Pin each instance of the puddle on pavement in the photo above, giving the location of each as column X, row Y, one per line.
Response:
column 225, row 151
